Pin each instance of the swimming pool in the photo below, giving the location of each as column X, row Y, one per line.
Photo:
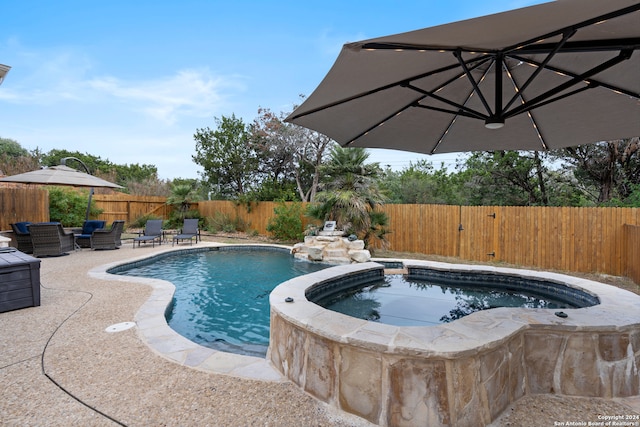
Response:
column 476, row 365
column 221, row 299
column 402, row 301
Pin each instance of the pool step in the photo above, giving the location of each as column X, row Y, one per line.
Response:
column 396, row 271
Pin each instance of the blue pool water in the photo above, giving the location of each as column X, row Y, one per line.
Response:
column 397, row 300
column 221, row 299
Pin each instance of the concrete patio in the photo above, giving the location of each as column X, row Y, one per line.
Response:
column 59, row 366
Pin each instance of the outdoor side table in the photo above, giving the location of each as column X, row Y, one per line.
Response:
column 19, row 280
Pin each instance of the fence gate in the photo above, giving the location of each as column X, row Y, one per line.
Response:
column 479, row 233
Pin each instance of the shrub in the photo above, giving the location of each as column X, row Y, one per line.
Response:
column 69, row 206
column 223, row 222
column 141, row 221
column 287, row 222
column 176, row 219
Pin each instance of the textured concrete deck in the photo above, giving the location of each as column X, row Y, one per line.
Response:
column 60, row 366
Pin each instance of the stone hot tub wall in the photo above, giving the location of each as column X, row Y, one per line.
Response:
column 464, row 373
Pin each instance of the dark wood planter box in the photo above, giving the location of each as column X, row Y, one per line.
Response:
column 19, row 280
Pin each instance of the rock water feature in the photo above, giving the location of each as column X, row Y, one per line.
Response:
column 332, row 247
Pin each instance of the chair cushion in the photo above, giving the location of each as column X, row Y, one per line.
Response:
column 23, row 227
column 93, row 224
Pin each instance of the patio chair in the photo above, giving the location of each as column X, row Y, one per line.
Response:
column 50, row 239
column 189, row 231
column 107, row 239
column 23, row 237
column 88, row 227
column 152, row 232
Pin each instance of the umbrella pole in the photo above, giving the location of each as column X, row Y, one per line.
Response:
column 63, row 161
column 89, row 204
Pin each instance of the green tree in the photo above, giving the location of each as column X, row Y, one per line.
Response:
column 12, row 148
column 421, row 183
column 289, row 155
column 350, row 193
column 230, row 163
column 609, row 171
column 182, row 195
column 504, row 178
column 103, row 168
column 14, row 159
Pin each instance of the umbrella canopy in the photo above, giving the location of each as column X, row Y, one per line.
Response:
column 60, row 175
column 554, row 75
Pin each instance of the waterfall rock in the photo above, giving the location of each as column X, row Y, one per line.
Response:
column 331, row 247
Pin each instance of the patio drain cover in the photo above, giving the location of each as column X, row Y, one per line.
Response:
column 118, row 327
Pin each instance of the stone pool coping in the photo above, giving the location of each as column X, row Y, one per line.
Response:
column 153, row 329
column 619, row 309
column 444, row 339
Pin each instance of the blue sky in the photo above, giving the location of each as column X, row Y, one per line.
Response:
column 131, row 81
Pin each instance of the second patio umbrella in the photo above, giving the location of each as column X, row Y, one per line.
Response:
column 61, row 175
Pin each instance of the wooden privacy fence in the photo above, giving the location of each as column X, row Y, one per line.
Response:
column 559, row 238
column 605, row 240
column 631, row 235
column 129, row 208
column 255, row 215
column 562, row 238
column 23, row 204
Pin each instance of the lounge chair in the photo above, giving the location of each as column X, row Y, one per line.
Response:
column 88, row 227
column 50, row 239
column 107, row 239
column 23, row 237
column 152, row 232
column 189, row 231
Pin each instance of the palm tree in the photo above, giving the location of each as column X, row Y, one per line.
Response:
column 350, row 194
column 182, row 195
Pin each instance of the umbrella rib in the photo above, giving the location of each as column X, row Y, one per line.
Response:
column 589, row 46
column 395, row 113
column 588, row 22
column 474, row 84
column 527, row 106
column 463, row 110
column 476, row 62
column 534, row 123
column 469, row 112
column 566, row 36
column 571, row 74
column 451, row 123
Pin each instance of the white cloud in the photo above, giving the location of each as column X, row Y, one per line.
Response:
column 45, row 78
column 57, row 99
column 194, row 93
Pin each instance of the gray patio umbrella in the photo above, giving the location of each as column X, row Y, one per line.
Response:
column 554, row 75
column 62, row 175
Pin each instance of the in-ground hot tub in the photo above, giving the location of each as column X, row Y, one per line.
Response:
column 463, row 373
